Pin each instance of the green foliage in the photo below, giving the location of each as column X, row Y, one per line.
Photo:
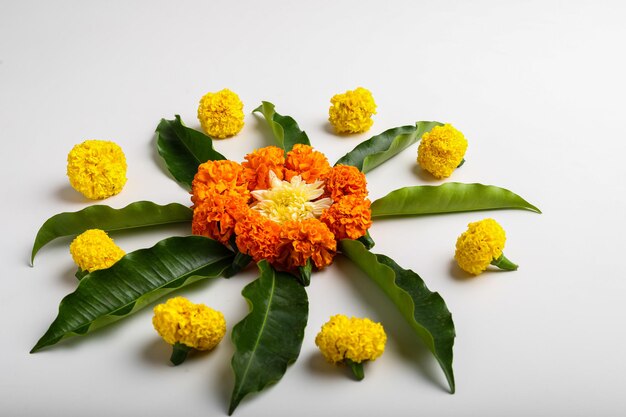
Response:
column 447, row 198
column 369, row 154
column 135, row 215
column 425, row 311
column 140, row 277
column 184, row 149
column 269, row 338
column 285, row 129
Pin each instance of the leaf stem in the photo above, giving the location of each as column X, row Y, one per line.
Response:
column 304, row 273
column 367, row 240
column 504, row 263
column 179, row 353
column 356, row 368
column 80, row 274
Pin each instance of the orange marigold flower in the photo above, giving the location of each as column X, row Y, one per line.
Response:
column 345, row 180
column 258, row 236
column 218, row 177
column 304, row 240
column 219, row 195
column 310, row 164
column 259, row 164
column 272, row 226
column 217, row 216
column 350, row 217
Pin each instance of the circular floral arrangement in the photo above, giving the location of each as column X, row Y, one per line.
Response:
column 285, row 208
column 288, row 211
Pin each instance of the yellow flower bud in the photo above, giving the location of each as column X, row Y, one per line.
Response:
column 221, row 114
column 479, row 246
column 441, row 150
column 353, row 338
column 194, row 325
column 351, row 112
column 94, row 249
column 97, row 169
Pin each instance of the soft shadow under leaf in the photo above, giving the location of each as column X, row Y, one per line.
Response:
column 425, row 311
column 140, row 277
column 284, row 128
column 269, row 338
column 134, row 215
column 373, row 152
column 451, row 197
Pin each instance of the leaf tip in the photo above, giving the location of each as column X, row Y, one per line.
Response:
column 262, row 105
column 37, row 347
column 234, row 402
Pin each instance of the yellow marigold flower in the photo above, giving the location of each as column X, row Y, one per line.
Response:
column 221, row 114
column 306, row 162
column 97, row 169
column 441, row 150
column 94, row 249
column 348, row 218
column 480, row 246
column 351, row 339
column 187, row 325
column 345, row 180
column 351, row 112
column 260, row 163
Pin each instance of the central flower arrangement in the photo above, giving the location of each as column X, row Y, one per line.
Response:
column 288, row 211
column 284, row 208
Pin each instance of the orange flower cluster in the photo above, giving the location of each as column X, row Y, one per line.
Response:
column 223, row 206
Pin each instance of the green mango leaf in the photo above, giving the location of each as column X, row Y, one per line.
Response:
column 184, row 149
column 285, row 129
column 451, row 197
column 139, row 278
column 369, row 154
column 425, row 311
column 269, row 338
column 134, row 215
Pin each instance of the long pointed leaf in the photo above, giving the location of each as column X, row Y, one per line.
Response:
column 447, row 198
column 184, row 149
column 285, row 129
column 425, row 311
column 134, row 215
column 269, row 338
column 369, row 154
column 136, row 280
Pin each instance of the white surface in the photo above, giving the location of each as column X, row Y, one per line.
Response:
column 538, row 89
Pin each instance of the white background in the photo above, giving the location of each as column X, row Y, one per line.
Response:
column 538, row 89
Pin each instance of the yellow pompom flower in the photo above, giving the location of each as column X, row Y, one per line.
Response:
column 221, row 114
column 94, row 249
column 482, row 245
column 187, row 326
column 441, row 150
column 351, row 341
column 97, row 169
column 351, row 112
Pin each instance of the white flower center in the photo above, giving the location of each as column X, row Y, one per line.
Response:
column 293, row 200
